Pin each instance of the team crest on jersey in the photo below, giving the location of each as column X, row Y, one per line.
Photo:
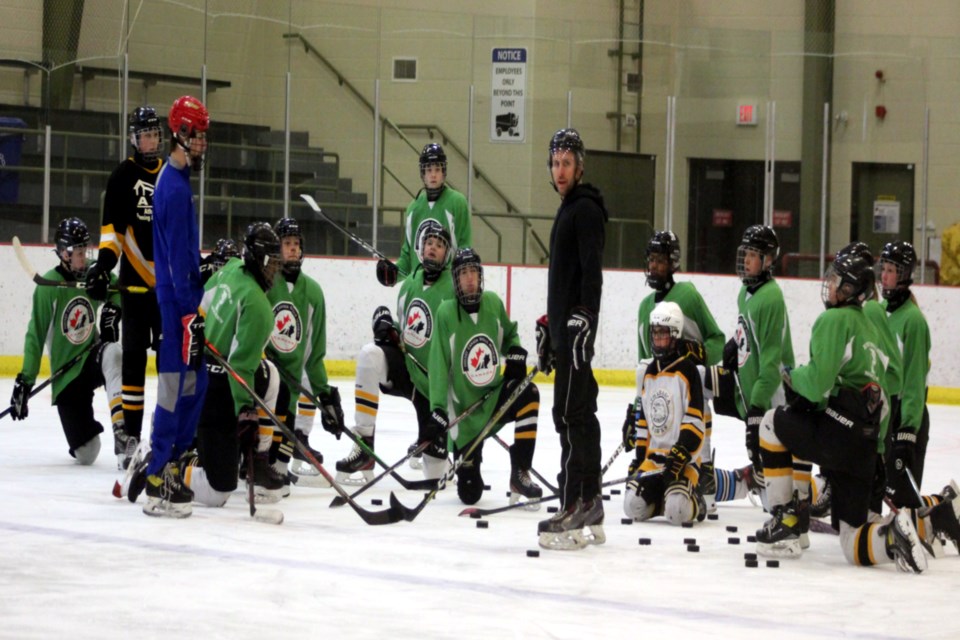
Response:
column 743, row 343
column 287, row 328
column 77, row 321
column 661, row 408
column 144, row 193
column 418, row 325
column 479, row 361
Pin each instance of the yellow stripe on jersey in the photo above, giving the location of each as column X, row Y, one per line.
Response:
column 109, row 240
column 533, row 406
column 141, row 265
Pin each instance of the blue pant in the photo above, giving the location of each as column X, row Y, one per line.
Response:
column 179, row 398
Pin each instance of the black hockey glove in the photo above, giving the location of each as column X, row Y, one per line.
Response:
column 581, row 332
column 248, row 427
column 651, row 486
column 384, row 331
column 19, row 399
column 904, row 451
column 331, row 412
column 516, row 367
column 387, row 273
column 693, row 349
column 730, row 355
column 98, row 279
column 110, row 323
column 436, row 427
column 630, row 428
column 754, row 416
column 544, row 350
column 193, row 340
column 676, row 462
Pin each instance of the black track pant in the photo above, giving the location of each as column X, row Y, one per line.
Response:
column 575, row 418
column 141, row 331
column 75, row 404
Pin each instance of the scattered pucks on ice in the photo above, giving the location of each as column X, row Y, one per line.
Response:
column 713, row 516
column 694, row 548
column 533, row 553
column 686, row 525
column 731, row 528
column 751, row 538
column 615, row 492
column 773, row 563
column 645, row 541
column 689, row 541
column 482, row 524
column 551, row 509
column 733, row 540
column 376, row 502
column 750, row 563
column 749, row 556
column 626, row 520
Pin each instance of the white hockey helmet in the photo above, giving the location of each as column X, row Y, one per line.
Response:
column 666, row 314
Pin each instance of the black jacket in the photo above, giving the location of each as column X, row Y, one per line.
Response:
column 575, row 277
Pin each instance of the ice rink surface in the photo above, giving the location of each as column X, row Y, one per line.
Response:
column 76, row 562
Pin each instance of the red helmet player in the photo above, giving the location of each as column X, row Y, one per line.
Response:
column 188, row 121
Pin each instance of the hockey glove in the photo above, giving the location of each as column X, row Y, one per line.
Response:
column 98, row 279
column 904, row 451
column 193, row 340
column 676, row 462
column 651, row 486
column 436, row 427
column 693, row 349
column 516, row 368
column 19, row 399
column 331, row 412
column 754, row 416
column 110, row 323
column 384, row 330
column 248, row 427
column 581, row 332
column 730, row 355
column 630, row 428
column 544, row 350
column 387, row 272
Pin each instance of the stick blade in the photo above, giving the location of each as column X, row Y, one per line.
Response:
column 310, row 201
column 405, row 512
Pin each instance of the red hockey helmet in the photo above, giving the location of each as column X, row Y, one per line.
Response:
column 188, row 117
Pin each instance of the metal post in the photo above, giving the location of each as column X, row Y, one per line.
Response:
column 773, row 158
column 470, row 151
column 124, row 101
column 923, row 192
column 286, row 151
column 766, row 164
column 376, row 155
column 823, row 187
column 203, row 174
column 569, row 108
column 668, row 169
column 45, row 230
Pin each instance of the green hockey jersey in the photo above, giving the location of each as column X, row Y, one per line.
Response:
column 417, row 308
column 450, row 210
column 698, row 323
column 763, row 342
column 912, row 334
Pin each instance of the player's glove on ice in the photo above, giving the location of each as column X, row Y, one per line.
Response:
column 331, row 412
column 18, row 401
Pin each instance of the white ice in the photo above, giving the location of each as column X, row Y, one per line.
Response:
column 76, row 562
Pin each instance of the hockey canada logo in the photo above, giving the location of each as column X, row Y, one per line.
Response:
column 287, row 328
column 77, row 321
column 743, row 344
column 661, row 405
column 479, row 361
column 418, row 325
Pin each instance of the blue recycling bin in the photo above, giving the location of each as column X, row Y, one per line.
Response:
column 11, row 145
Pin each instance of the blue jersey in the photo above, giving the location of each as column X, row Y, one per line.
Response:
column 176, row 241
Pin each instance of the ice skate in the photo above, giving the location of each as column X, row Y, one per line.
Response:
column 305, row 474
column 903, row 544
column 135, row 478
column 803, row 522
column 416, row 461
column 593, row 522
column 780, row 536
column 357, row 462
column 124, row 446
column 268, row 483
column 564, row 530
column 522, row 486
column 820, row 508
column 167, row 496
column 945, row 517
column 707, row 487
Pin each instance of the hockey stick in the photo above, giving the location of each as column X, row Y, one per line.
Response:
column 357, row 239
column 410, row 514
column 613, row 457
column 270, row 516
column 413, row 485
column 66, row 366
column 338, row 501
column 475, row 512
column 386, row 516
column 76, row 284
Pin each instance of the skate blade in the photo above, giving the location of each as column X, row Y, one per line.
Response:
column 416, row 463
column 934, row 548
column 564, row 541
column 804, row 541
column 345, row 477
column 303, row 469
column 781, row 549
column 517, row 497
column 267, row 496
column 167, row 510
column 594, row 534
column 311, row 481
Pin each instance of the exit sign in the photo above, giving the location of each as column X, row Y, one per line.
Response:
column 747, row 115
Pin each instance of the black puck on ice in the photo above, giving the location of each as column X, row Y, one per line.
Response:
column 753, row 564
column 693, row 548
column 751, row 538
column 475, row 516
column 533, row 553
column 731, row 528
column 509, row 493
column 626, row 520
column 713, row 516
column 615, row 492
column 482, row 524
column 686, row 525
column 376, row 502
column 645, row 541
column 606, row 496
column 733, row 540
column 749, row 556
column 773, row 563
column 551, row 509
column 486, row 487
column 689, row 541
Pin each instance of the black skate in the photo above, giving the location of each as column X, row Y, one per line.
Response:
column 268, row 483
column 903, row 544
column 167, row 496
column 522, row 486
column 803, row 522
column 135, row 478
column 753, row 480
column 564, row 531
column 124, row 445
column 306, row 475
column 820, row 508
column 357, row 462
column 707, row 487
column 945, row 517
column 780, row 536
column 416, row 461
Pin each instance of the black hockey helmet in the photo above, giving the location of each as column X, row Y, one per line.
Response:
column 225, row 249
column 863, row 250
column 72, row 235
column 566, row 140
column 432, row 153
column 285, row 228
column 467, row 259
column 432, row 229
column 667, row 244
column 763, row 240
column 261, row 253
column 902, row 255
column 851, row 276
column 141, row 120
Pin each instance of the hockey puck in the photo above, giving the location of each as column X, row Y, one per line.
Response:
column 753, row 564
column 731, row 528
column 509, row 493
column 773, row 563
column 686, row 525
column 713, row 516
column 689, row 541
column 482, row 524
column 376, row 502
column 615, row 492
column 645, row 541
column 551, row 509
column 733, row 540
column 626, row 520
column 751, row 538
column 486, row 487
column 533, row 553
column 475, row 516
column 693, row 548
column 606, row 496
column 749, row 556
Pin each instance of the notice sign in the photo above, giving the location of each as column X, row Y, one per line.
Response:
column 508, row 95
column 886, row 216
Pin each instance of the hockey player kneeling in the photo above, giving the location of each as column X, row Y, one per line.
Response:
column 474, row 336
column 667, row 432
